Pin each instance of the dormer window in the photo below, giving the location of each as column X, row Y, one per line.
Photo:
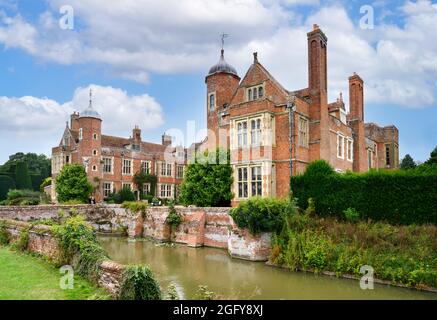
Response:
column 136, row 147
column 211, row 102
column 255, row 93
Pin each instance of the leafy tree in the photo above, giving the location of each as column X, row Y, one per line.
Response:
column 38, row 164
column 6, row 184
column 72, row 184
column 408, row 163
column 22, row 176
column 208, row 181
column 47, row 181
column 433, row 157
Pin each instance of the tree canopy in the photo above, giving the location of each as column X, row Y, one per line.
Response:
column 208, row 181
column 22, row 177
column 408, row 163
column 72, row 184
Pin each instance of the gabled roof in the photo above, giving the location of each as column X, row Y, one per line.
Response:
column 119, row 142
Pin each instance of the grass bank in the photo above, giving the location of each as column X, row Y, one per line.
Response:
column 27, row 277
column 405, row 255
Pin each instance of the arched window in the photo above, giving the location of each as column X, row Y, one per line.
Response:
column 249, row 95
column 255, row 94
column 260, row 92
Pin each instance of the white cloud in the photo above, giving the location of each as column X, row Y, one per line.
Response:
column 138, row 37
column 27, row 119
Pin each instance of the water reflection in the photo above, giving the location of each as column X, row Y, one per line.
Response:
column 187, row 268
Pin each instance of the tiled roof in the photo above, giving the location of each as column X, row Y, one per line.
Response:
column 118, row 142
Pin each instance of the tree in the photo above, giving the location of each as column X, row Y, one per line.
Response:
column 72, row 184
column 433, row 157
column 6, row 184
column 408, row 163
column 22, row 176
column 208, row 181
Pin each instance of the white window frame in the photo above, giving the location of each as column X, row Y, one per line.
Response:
column 180, row 168
column 80, row 133
column 165, row 169
column 166, row 190
column 340, row 145
column 210, row 107
column 256, row 182
column 95, row 136
column 252, row 93
column 242, row 133
column 350, row 149
column 147, row 188
column 147, row 164
column 110, row 190
column 111, row 164
column 303, row 132
column 123, row 167
column 95, row 152
column 243, row 182
column 94, row 168
column 255, row 132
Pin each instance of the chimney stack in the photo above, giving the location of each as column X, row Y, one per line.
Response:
column 166, row 140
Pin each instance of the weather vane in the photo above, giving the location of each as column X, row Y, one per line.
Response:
column 224, row 36
column 91, row 96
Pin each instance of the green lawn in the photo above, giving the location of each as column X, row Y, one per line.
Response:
column 25, row 277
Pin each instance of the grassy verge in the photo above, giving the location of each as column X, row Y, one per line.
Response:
column 401, row 254
column 27, row 277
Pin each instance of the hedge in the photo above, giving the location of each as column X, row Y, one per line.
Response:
column 6, row 184
column 399, row 197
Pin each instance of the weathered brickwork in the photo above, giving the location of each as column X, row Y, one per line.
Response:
column 314, row 129
column 111, row 162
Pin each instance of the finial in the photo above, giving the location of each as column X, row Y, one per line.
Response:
column 315, row 27
column 91, row 97
column 341, row 96
column 224, row 36
column 66, row 124
column 255, row 57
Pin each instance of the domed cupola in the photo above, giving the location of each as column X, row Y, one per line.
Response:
column 90, row 112
column 222, row 66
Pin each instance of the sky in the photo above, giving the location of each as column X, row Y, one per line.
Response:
column 146, row 62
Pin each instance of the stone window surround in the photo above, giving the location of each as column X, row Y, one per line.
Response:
column 350, row 142
column 168, row 171
column 248, row 120
column 111, row 187
column 80, row 133
column 111, row 164
column 340, row 145
column 168, row 190
column 180, row 168
column 123, row 167
column 304, row 144
column 266, row 140
column 209, row 101
column 146, row 188
column 149, row 166
column 124, row 184
column 250, row 90
column 248, row 181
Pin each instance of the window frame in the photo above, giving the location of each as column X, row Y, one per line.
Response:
column 123, row 167
column 350, row 151
column 243, row 182
column 341, row 137
column 111, row 188
column 242, row 135
column 212, row 108
column 255, row 132
column 303, row 132
column 111, row 165
column 149, row 166
column 257, row 183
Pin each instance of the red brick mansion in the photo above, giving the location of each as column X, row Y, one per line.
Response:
column 111, row 162
column 273, row 132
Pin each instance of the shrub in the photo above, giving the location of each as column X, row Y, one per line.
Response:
column 72, row 184
column 140, row 178
column 138, row 283
column 126, row 194
column 79, row 246
column 147, row 197
column 47, row 182
column 204, row 294
column 208, row 181
column 23, row 242
column 4, row 235
column 174, row 219
column 6, row 184
column 399, row 197
column 23, row 198
column 262, row 214
column 22, row 177
column 136, row 207
column 351, row 214
column 172, row 293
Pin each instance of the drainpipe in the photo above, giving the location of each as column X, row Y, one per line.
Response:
column 291, row 108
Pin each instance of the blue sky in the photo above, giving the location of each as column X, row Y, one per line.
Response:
column 146, row 61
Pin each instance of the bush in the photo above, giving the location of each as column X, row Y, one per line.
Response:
column 6, row 184
column 79, row 246
column 4, row 235
column 47, row 182
column 22, row 177
column 72, row 184
column 174, row 219
column 351, row 214
column 147, row 197
column 262, row 214
column 23, row 198
column 36, row 179
column 138, row 283
column 208, row 181
column 399, row 197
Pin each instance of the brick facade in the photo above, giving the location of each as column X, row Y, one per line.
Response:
column 255, row 119
column 111, row 162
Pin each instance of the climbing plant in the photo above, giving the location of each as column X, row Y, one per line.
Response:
column 140, row 178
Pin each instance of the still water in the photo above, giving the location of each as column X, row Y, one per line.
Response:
column 187, row 268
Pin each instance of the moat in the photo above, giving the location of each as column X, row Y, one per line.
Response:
column 187, row 268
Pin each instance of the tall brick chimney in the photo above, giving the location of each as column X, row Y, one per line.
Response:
column 166, row 140
column 74, row 121
column 136, row 135
column 356, row 122
column 318, row 84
